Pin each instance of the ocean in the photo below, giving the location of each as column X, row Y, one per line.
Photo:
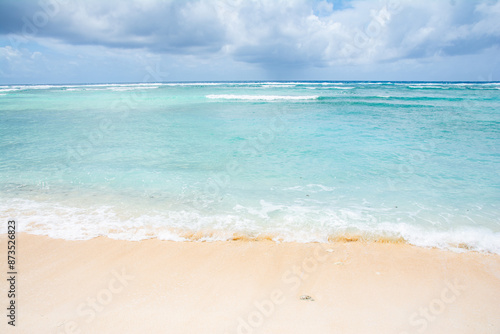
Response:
column 289, row 161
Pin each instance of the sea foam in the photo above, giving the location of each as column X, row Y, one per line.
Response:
column 261, row 97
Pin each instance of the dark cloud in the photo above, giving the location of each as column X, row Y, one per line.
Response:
column 468, row 46
column 171, row 26
column 11, row 14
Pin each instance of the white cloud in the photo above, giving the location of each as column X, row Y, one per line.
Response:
column 274, row 35
column 9, row 53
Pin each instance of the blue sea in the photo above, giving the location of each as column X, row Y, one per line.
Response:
column 289, row 161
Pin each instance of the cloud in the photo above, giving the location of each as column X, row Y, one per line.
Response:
column 160, row 26
column 9, row 53
column 18, row 61
column 269, row 34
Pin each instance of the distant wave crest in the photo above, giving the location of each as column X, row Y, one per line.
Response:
column 261, row 97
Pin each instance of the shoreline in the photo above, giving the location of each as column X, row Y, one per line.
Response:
column 104, row 285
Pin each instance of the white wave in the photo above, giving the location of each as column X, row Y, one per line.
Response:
column 129, row 88
column 427, row 86
column 458, row 239
column 201, row 84
column 289, row 83
column 261, row 97
column 5, row 90
column 277, row 86
column 255, row 83
column 26, row 87
column 119, row 85
column 311, row 188
column 340, row 87
column 43, row 87
column 182, row 84
column 297, row 223
column 111, row 87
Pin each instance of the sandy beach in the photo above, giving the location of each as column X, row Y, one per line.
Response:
column 249, row 167
column 111, row 286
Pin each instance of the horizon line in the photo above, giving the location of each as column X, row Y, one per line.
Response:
column 247, row 81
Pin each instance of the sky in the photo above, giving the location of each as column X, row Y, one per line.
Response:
column 112, row 41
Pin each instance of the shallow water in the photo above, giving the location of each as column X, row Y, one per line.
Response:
column 294, row 161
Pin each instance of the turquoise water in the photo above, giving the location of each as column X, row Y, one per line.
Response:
column 296, row 161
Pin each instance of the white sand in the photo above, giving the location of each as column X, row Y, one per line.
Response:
column 152, row 286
